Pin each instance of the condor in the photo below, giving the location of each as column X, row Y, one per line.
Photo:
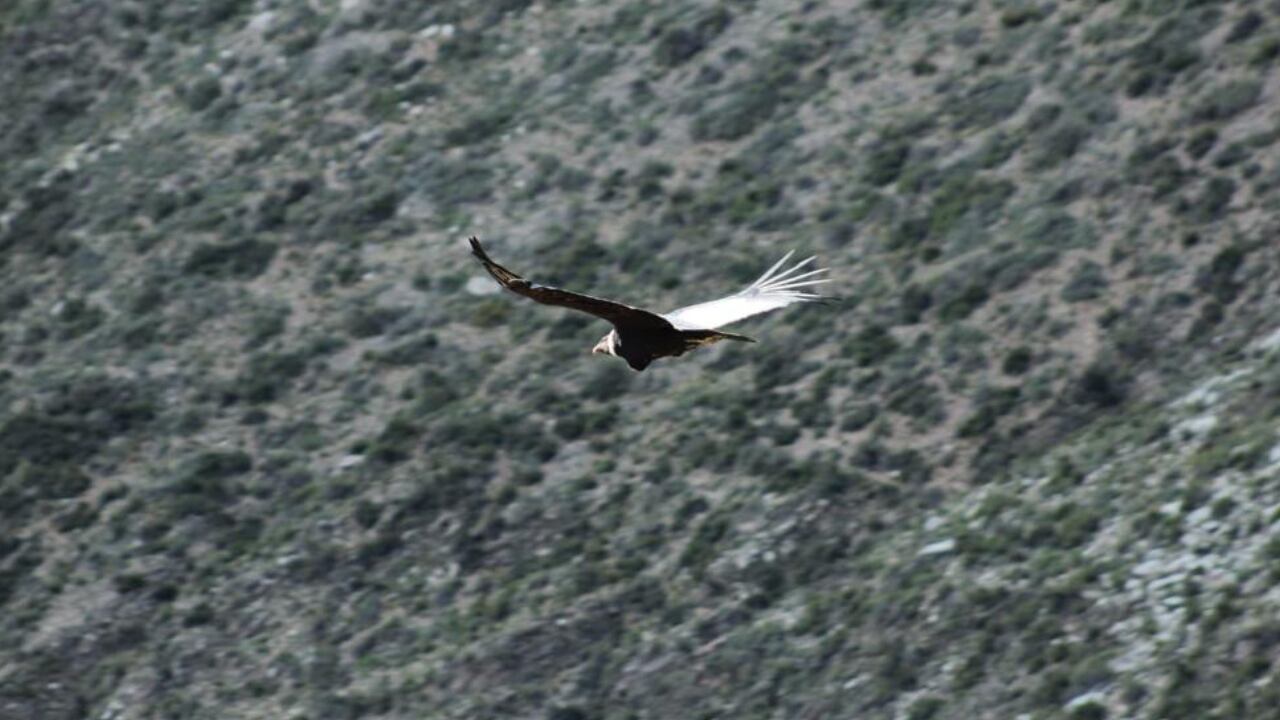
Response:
column 639, row 336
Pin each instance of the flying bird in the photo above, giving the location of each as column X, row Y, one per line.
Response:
column 640, row 336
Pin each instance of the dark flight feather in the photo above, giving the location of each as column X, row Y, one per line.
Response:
column 615, row 312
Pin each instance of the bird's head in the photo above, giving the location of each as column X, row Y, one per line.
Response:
column 608, row 344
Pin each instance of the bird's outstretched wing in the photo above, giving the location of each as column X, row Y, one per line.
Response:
column 617, row 313
column 772, row 291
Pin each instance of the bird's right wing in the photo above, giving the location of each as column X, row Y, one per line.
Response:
column 772, row 291
column 615, row 312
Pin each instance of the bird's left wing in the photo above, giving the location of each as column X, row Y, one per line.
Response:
column 772, row 291
column 622, row 316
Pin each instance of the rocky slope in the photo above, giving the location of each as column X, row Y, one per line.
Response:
column 270, row 446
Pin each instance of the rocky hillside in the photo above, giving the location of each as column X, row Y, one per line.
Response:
column 271, row 446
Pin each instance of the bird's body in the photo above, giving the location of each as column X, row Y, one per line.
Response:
column 639, row 347
column 639, row 336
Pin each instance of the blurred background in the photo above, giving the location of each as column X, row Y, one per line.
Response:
column 272, row 446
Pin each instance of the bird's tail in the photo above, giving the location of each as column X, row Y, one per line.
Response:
column 698, row 338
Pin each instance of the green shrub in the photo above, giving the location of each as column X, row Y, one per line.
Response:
column 1017, row 361
column 1055, row 229
column 38, row 227
column 649, row 179
column 78, row 516
column 1017, row 14
column 1245, row 26
column 926, row 708
column 267, row 376
column 886, row 160
column 550, row 173
column 265, row 324
column 1265, row 52
column 487, row 122
column 1088, row 282
column 967, row 198
column 449, row 182
column 200, row 614
column 366, row 321
column 15, row 571
column 46, row 441
column 59, row 481
column 749, row 105
column 1101, row 385
column 129, row 582
column 217, row 464
column 960, row 305
column 1201, row 142
column 1227, row 100
column 202, row 488
column 774, row 84
column 1151, row 164
column 395, row 443
column 908, row 234
column 78, row 317
column 413, row 351
column 376, row 205
column 569, row 428
column 858, row 416
column 383, row 544
column 446, row 486
column 1060, row 143
column 916, row 398
column 996, row 149
column 991, row 101
column 1231, row 155
column 1171, row 50
column 1213, row 201
column 897, row 11
column 678, row 45
column 607, row 382
column 991, row 405
column 913, row 303
column 1218, row 276
column 166, row 593
column 871, row 345
column 241, row 260
column 201, row 93
column 701, row 548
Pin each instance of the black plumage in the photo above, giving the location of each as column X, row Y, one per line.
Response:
column 639, row 336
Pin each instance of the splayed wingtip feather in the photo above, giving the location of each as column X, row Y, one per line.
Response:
column 773, row 284
column 793, row 269
column 769, row 273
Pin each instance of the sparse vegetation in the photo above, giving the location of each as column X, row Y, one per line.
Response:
column 257, row 403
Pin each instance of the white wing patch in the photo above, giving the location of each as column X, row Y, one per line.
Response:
column 772, row 291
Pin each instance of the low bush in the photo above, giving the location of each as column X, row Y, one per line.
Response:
column 677, row 45
column 240, row 260
column 1168, row 53
column 990, row 101
column 1227, row 100
column 1088, row 282
column 1212, row 202
column 991, row 405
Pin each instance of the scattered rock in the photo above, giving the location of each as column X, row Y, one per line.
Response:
column 938, row 548
column 477, row 285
